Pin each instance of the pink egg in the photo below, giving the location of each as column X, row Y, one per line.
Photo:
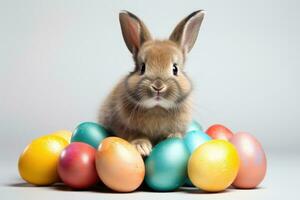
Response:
column 253, row 164
column 76, row 165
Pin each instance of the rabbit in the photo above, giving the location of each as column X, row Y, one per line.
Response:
column 153, row 102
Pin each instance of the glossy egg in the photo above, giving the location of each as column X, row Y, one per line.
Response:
column 219, row 131
column 166, row 166
column 253, row 161
column 38, row 162
column 194, row 126
column 194, row 139
column 76, row 166
column 65, row 134
column 119, row 165
column 90, row 133
column 214, row 165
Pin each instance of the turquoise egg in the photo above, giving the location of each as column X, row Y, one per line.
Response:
column 194, row 139
column 194, row 126
column 166, row 166
column 90, row 133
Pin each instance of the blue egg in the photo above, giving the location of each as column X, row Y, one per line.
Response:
column 166, row 166
column 90, row 133
column 194, row 126
column 193, row 140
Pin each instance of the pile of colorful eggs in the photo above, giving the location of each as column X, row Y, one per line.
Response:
column 211, row 160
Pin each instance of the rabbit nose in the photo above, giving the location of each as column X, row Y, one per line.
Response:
column 158, row 86
column 157, row 89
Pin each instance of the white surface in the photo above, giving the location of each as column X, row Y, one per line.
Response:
column 281, row 182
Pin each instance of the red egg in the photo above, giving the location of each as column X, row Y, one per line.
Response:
column 253, row 163
column 218, row 131
column 76, row 166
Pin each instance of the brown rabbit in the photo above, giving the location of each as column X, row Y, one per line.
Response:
column 153, row 102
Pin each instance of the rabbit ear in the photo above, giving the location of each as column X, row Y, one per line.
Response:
column 186, row 32
column 134, row 31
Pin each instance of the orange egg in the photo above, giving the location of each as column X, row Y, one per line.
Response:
column 119, row 165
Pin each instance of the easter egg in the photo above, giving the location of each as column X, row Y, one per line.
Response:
column 219, row 131
column 194, row 139
column 194, row 126
column 253, row 161
column 213, row 166
column 119, row 165
column 64, row 134
column 76, row 166
column 38, row 162
column 166, row 166
column 90, row 133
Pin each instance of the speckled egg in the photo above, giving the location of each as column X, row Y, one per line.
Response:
column 119, row 165
column 253, row 162
column 214, row 165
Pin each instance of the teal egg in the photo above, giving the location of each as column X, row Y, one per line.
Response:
column 90, row 133
column 194, row 139
column 194, row 126
column 166, row 166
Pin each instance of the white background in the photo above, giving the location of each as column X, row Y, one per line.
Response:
column 59, row 59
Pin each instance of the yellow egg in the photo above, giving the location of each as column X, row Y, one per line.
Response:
column 64, row 134
column 214, row 165
column 38, row 162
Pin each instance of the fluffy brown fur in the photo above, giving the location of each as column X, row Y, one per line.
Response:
column 154, row 101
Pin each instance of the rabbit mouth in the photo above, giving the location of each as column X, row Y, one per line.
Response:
column 158, row 96
column 158, row 101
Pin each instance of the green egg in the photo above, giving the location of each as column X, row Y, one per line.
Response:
column 166, row 166
column 90, row 133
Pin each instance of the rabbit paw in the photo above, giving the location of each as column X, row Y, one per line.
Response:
column 143, row 146
column 175, row 135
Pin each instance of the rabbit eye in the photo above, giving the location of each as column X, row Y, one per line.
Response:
column 143, row 68
column 175, row 69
